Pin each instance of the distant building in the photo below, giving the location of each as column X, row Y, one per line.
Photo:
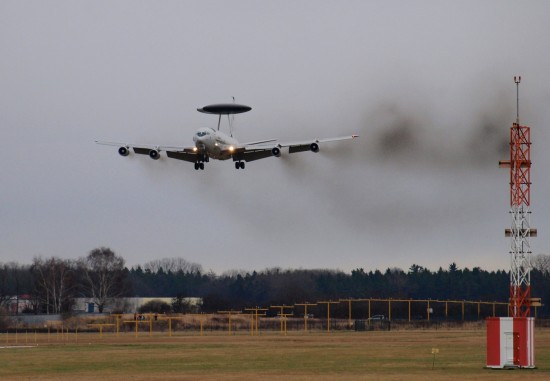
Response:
column 19, row 304
column 125, row 305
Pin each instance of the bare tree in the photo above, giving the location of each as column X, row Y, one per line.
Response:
column 54, row 283
column 173, row 265
column 234, row 273
column 541, row 262
column 14, row 279
column 103, row 276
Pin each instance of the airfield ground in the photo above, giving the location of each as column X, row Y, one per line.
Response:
column 378, row 355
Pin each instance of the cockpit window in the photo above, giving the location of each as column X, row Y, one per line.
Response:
column 202, row 133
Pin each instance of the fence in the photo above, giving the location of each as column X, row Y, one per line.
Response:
column 322, row 315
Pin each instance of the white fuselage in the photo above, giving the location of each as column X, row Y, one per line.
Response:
column 215, row 144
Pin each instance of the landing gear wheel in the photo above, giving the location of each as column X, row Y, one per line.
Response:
column 237, row 164
column 241, row 164
column 197, row 166
column 201, row 166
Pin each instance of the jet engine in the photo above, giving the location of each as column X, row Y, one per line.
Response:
column 314, row 147
column 154, row 154
column 123, row 151
column 276, row 151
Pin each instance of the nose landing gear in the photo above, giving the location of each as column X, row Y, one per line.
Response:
column 239, row 164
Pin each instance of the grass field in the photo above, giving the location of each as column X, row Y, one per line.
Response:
column 395, row 355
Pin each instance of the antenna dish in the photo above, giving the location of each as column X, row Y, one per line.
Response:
column 224, row 109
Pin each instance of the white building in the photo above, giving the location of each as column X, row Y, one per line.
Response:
column 126, row 305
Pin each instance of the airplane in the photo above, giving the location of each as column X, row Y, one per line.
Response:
column 211, row 143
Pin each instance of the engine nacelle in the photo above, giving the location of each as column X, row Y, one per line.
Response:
column 154, row 154
column 123, row 151
column 276, row 151
column 314, row 147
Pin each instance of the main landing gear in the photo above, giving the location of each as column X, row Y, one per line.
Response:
column 199, row 164
column 239, row 164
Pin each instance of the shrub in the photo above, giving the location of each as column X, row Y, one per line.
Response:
column 5, row 320
column 155, row 305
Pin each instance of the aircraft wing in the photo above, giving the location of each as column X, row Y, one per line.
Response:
column 180, row 153
column 259, row 142
column 114, row 144
column 312, row 145
column 185, row 155
column 261, row 150
column 251, row 154
column 143, row 147
column 243, row 152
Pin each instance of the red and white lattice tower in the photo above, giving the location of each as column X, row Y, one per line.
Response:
column 520, row 201
column 511, row 340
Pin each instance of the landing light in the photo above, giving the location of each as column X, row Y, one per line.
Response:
column 231, row 148
column 195, row 149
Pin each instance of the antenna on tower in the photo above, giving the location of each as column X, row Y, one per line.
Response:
column 517, row 80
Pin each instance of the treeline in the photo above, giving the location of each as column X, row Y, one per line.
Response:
column 53, row 283
column 238, row 289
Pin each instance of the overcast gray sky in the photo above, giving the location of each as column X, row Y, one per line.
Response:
column 427, row 84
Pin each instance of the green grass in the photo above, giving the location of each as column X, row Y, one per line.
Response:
column 397, row 355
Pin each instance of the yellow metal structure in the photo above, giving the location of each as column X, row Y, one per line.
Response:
column 328, row 303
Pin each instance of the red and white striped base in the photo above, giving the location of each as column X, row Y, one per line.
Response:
column 510, row 342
